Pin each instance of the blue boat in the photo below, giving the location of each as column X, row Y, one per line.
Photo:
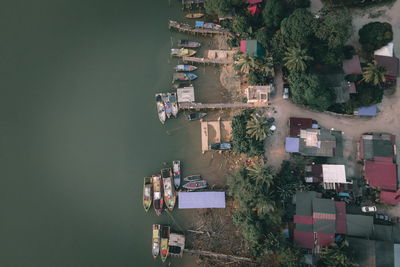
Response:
column 184, row 76
column 182, row 67
column 221, row 146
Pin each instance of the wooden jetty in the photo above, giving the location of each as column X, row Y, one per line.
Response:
column 199, row 106
column 205, row 60
column 213, row 57
column 218, row 255
column 186, row 28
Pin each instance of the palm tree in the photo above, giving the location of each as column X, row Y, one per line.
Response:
column 296, row 58
column 266, row 65
column 374, row 74
column 246, row 63
column 257, row 127
column 261, row 174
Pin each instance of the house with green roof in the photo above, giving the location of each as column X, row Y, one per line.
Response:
column 252, row 48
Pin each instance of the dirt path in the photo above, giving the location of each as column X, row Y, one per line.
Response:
column 388, row 119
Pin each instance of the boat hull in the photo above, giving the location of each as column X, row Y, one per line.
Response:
column 158, row 202
column 165, row 233
column 160, row 108
column 177, row 173
column 183, row 52
column 191, row 178
column 196, row 116
column 169, row 192
column 194, row 15
column 155, row 250
column 147, row 193
column 195, row 185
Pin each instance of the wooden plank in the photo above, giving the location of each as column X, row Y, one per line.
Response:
column 204, row 136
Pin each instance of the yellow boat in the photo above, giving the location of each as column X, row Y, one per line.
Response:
column 194, row 15
column 147, row 193
column 165, row 231
column 183, row 52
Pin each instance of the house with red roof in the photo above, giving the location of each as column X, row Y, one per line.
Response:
column 317, row 220
column 391, row 64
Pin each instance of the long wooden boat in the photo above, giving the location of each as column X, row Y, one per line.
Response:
column 147, row 194
column 194, row 185
column 165, row 232
column 187, row 68
column 183, row 52
column 169, row 192
column 158, row 201
column 188, row 43
column 190, row 178
column 196, row 116
column 174, row 103
column 179, row 76
column 160, row 108
column 167, row 105
column 155, row 250
column 194, row 15
column 176, row 166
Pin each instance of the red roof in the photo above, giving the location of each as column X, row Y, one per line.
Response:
column 340, row 218
column 304, row 239
column 391, row 198
column 325, row 239
column 381, row 174
column 303, row 219
column 243, row 46
column 352, row 66
column 297, row 124
column 254, row 10
column 390, row 63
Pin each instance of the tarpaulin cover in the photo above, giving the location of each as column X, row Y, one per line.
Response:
column 199, row 23
column 201, row 200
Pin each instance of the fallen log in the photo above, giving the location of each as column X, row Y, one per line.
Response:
column 218, row 255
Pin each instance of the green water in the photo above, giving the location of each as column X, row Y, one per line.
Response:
column 79, row 130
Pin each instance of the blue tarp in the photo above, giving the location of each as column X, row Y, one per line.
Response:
column 292, row 144
column 367, row 111
column 199, row 24
column 201, row 200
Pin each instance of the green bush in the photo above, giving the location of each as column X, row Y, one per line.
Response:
column 374, row 35
column 367, row 95
column 348, row 51
column 298, row 27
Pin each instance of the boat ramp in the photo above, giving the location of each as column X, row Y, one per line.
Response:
column 186, row 28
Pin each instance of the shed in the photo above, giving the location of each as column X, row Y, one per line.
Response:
column 292, row 144
column 252, row 48
column 185, row 94
column 201, row 200
column 367, row 111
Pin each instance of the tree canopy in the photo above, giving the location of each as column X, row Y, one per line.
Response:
column 296, row 59
column 374, row 74
column 337, row 255
column 306, row 88
column 298, row 27
column 274, row 12
column 374, row 35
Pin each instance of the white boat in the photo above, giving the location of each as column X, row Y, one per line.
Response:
column 167, row 105
column 160, row 108
column 177, row 173
column 174, row 103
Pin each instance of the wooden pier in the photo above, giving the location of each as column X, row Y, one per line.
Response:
column 186, row 28
column 213, row 57
column 199, row 106
column 205, row 60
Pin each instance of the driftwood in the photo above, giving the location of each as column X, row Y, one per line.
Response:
column 218, row 255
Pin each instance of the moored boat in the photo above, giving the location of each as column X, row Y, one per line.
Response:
column 167, row 105
column 176, row 166
column 165, row 232
column 156, row 240
column 196, row 116
column 187, row 43
column 194, row 185
column 191, row 178
column 221, row 146
column 179, row 76
column 147, row 196
column 160, row 108
column 158, row 201
column 174, row 104
column 194, row 15
column 188, row 68
column 169, row 192
column 182, row 52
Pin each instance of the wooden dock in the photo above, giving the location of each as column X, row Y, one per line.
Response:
column 186, row 28
column 213, row 57
column 205, row 60
column 199, row 106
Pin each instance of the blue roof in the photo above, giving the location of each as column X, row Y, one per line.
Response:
column 367, row 111
column 201, row 200
column 199, row 23
column 292, row 144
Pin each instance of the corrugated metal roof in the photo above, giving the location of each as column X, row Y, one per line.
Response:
column 333, row 173
column 381, row 174
column 359, row 225
column 292, row 144
column 297, row 124
column 201, row 200
column 367, row 111
column 340, row 218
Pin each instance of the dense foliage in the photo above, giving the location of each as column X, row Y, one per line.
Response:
column 307, row 89
column 374, row 35
column 242, row 141
column 222, row 7
column 337, row 255
column 298, row 27
column 274, row 12
column 356, row 3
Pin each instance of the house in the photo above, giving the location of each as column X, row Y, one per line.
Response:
column 381, row 173
column 370, row 111
column 330, row 175
column 372, row 253
column 317, row 220
column 391, row 64
column 352, row 66
column 258, row 94
column 297, row 124
column 386, row 50
column 373, row 145
column 252, row 48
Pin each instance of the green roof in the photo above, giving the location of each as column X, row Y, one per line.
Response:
column 383, row 232
column 253, row 48
column 359, row 225
column 304, row 203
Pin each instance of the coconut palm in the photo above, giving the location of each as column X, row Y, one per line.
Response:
column 374, row 74
column 296, row 59
column 261, row 174
column 246, row 63
column 257, row 127
column 266, row 65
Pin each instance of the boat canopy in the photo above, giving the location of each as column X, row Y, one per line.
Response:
column 201, row 200
column 199, row 24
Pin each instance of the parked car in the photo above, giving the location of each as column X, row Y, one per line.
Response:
column 285, row 92
column 382, row 219
column 368, row 209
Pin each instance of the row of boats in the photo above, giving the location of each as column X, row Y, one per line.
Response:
column 165, row 243
column 167, row 105
column 160, row 189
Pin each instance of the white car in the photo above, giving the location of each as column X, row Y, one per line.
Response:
column 285, row 92
column 368, row 209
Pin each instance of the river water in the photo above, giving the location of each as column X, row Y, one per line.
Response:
column 79, row 130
